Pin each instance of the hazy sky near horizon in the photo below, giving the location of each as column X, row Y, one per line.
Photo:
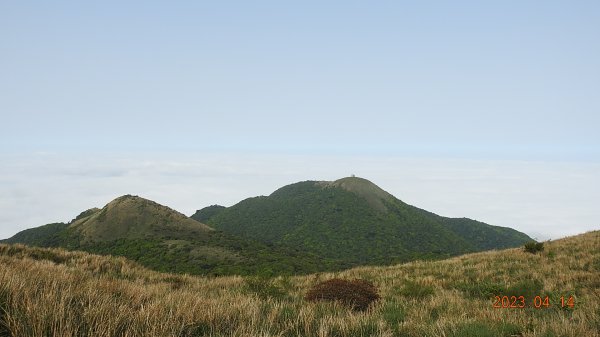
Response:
column 391, row 89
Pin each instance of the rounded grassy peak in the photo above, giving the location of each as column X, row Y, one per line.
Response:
column 131, row 217
column 375, row 196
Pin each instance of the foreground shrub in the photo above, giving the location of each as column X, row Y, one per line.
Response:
column 355, row 294
column 534, row 247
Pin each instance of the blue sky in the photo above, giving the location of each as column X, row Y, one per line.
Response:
column 469, row 80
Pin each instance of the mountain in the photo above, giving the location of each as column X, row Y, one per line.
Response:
column 166, row 240
column 304, row 227
column 356, row 222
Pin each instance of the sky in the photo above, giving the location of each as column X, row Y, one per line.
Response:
column 488, row 110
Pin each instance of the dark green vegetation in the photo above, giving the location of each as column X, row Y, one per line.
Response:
column 354, row 221
column 208, row 212
column 300, row 228
column 534, row 247
column 50, row 235
column 165, row 240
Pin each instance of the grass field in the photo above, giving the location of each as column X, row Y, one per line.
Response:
column 53, row 292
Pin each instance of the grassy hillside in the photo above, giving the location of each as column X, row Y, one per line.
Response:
column 165, row 240
column 132, row 217
column 354, row 221
column 53, row 292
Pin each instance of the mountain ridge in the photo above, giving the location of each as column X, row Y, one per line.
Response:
column 163, row 239
column 354, row 220
column 307, row 226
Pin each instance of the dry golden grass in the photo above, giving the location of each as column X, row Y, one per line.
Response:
column 53, row 292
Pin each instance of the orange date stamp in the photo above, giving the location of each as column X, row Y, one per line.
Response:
column 538, row 302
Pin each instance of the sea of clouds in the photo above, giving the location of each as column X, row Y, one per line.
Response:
column 545, row 199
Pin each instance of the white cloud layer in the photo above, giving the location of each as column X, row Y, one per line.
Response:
column 543, row 199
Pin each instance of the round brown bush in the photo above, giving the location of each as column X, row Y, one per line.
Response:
column 355, row 294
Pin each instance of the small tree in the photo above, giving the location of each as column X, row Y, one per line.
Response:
column 534, row 247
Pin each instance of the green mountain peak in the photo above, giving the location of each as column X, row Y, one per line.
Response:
column 354, row 221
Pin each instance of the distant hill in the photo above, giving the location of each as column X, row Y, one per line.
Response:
column 166, row 240
column 132, row 217
column 354, row 221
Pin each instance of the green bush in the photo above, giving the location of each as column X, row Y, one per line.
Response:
column 355, row 294
column 534, row 247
